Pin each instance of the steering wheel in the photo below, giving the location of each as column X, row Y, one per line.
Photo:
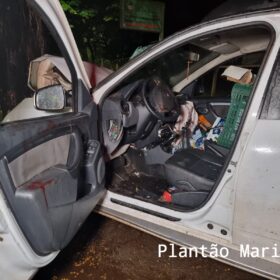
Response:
column 160, row 100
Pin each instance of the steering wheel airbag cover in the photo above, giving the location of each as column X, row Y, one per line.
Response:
column 160, row 100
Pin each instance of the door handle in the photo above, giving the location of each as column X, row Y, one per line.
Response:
column 75, row 151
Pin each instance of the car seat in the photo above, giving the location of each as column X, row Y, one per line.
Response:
column 196, row 170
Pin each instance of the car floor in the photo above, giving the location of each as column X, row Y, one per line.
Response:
column 138, row 185
column 106, row 249
column 129, row 182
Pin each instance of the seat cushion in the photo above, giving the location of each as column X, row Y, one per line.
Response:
column 194, row 169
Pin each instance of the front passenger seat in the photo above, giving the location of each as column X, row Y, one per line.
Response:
column 198, row 170
column 194, row 170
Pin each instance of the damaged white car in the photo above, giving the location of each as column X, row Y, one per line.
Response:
column 182, row 142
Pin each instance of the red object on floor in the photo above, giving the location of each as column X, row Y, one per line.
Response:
column 167, row 197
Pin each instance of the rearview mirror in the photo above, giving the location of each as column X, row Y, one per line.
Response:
column 192, row 56
column 50, row 98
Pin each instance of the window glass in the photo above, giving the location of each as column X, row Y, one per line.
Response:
column 212, row 84
column 176, row 66
column 30, row 60
column 271, row 107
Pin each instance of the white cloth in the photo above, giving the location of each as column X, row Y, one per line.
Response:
column 188, row 117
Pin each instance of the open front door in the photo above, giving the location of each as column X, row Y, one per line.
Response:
column 51, row 167
column 52, row 174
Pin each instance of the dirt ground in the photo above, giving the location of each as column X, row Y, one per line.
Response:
column 105, row 249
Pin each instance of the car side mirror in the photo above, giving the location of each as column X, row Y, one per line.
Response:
column 51, row 98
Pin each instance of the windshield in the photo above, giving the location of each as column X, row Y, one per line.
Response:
column 174, row 66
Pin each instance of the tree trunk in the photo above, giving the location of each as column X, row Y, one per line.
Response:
column 21, row 40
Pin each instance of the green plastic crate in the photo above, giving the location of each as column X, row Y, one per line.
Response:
column 239, row 97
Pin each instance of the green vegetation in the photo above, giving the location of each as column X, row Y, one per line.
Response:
column 93, row 25
column 96, row 27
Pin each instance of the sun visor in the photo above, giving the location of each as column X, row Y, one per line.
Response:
column 49, row 70
column 238, row 75
column 225, row 48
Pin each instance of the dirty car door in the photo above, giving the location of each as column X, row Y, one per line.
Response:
column 41, row 168
column 51, row 168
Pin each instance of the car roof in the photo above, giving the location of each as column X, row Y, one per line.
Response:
column 242, row 7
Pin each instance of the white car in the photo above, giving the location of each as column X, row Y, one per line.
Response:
column 143, row 121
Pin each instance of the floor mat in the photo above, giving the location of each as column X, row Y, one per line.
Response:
column 143, row 187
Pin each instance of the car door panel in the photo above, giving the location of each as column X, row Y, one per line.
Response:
column 22, row 169
column 219, row 109
column 50, row 181
column 212, row 108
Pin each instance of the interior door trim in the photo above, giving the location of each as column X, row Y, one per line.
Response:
column 39, row 159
